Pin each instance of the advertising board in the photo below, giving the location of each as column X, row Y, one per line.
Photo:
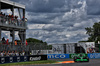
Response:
column 58, row 56
column 37, row 57
column 94, row 55
column 22, row 58
column 13, row 59
column 73, row 55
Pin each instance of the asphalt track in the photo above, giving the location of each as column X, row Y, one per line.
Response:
column 92, row 62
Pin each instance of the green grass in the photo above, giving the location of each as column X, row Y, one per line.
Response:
column 29, row 63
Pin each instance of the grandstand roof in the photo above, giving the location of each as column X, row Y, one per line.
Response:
column 6, row 4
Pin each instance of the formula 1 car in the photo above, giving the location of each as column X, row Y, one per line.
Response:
column 81, row 58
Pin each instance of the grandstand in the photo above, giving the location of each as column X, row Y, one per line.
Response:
column 12, row 23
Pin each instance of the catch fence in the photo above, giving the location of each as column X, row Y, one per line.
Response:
column 40, row 48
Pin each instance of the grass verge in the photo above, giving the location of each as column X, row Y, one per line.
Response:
column 29, row 63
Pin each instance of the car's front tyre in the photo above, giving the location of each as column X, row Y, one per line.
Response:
column 75, row 59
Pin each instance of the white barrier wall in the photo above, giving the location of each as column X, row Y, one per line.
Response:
column 88, row 46
column 57, row 49
column 70, row 48
column 60, row 48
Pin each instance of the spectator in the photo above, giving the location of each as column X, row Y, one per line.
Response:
column 2, row 53
column 23, row 53
column 7, row 19
column 26, row 43
column 3, row 40
column 13, row 53
column 17, row 53
column 16, row 17
column 15, row 42
column 8, row 54
column 23, row 18
column 7, row 42
column 5, row 53
column 12, row 19
column 1, row 14
column 0, row 41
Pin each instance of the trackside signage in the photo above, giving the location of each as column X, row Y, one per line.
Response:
column 94, row 55
column 22, row 58
column 73, row 55
column 13, row 59
column 58, row 56
column 37, row 57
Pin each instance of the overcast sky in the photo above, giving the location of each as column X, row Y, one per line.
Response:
column 60, row 21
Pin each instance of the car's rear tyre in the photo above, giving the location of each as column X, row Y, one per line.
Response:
column 88, row 60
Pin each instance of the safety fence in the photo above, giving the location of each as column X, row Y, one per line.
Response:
column 37, row 48
column 9, row 49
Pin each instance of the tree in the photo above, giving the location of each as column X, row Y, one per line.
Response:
column 35, row 41
column 39, row 44
column 94, row 32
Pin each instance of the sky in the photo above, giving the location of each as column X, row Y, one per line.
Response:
column 60, row 21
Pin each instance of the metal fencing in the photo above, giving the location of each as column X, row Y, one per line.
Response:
column 30, row 49
column 52, row 49
column 39, row 49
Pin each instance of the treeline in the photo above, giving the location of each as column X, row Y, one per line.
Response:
column 94, row 32
column 33, row 41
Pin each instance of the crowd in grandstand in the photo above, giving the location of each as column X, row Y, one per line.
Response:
column 11, row 53
column 3, row 41
column 7, row 49
column 11, row 19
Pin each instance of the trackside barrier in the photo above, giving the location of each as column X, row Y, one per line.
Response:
column 58, row 56
column 22, row 58
column 66, row 56
column 94, row 55
column 90, row 55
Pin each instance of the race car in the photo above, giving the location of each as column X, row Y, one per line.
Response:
column 81, row 57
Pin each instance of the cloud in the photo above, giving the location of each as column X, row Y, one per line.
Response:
column 93, row 7
column 52, row 27
column 60, row 21
column 45, row 6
